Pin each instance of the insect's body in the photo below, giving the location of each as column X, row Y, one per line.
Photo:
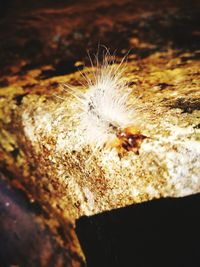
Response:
column 106, row 115
column 128, row 139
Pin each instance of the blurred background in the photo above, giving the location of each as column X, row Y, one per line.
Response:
column 59, row 33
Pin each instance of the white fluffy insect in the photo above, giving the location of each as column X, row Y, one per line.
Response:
column 107, row 116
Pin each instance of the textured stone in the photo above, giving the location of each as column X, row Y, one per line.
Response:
column 42, row 140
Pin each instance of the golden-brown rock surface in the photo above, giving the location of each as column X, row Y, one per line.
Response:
column 41, row 139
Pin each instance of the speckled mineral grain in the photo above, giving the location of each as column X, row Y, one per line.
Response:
column 42, row 143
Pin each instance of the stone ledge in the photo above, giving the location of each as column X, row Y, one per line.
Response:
column 41, row 140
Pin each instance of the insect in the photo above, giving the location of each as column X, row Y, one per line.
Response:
column 128, row 139
column 107, row 117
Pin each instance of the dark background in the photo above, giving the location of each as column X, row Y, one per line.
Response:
column 59, row 33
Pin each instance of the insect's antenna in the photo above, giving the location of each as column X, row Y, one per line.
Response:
column 61, row 87
column 91, row 62
column 114, row 56
column 92, row 65
column 87, row 79
column 97, row 61
column 78, row 95
column 127, row 53
column 59, row 97
column 106, row 56
column 97, row 55
column 68, row 86
column 82, row 83
column 107, row 51
column 123, row 61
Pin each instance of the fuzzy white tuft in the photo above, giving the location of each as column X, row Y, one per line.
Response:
column 105, row 108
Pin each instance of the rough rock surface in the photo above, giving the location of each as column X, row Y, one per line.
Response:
column 41, row 137
column 32, row 237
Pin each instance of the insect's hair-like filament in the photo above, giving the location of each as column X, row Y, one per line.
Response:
column 104, row 105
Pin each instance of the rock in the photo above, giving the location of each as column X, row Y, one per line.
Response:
column 42, row 140
column 30, row 237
